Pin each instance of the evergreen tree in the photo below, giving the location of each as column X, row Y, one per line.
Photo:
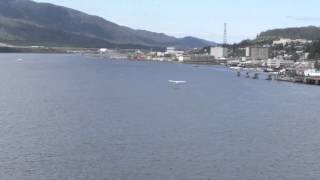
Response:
column 314, row 50
column 317, row 65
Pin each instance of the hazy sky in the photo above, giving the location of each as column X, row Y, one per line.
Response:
column 203, row 18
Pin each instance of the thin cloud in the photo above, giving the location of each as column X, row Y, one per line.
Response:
column 303, row 18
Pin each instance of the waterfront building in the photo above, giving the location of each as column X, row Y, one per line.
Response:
column 171, row 51
column 218, row 52
column 277, row 63
column 312, row 73
column 301, row 67
column 260, row 53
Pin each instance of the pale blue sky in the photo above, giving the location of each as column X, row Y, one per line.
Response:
column 203, row 18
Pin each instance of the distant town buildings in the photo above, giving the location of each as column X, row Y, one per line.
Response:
column 289, row 59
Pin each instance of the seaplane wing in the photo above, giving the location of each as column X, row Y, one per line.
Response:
column 177, row 82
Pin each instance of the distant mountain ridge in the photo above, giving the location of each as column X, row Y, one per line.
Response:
column 27, row 22
column 310, row 33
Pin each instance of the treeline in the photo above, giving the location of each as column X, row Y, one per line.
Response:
column 310, row 32
column 314, row 50
column 8, row 50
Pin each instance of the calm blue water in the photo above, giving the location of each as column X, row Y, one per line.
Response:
column 78, row 118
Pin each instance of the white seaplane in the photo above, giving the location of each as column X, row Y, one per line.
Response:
column 177, row 82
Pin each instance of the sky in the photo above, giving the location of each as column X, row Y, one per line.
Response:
column 202, row 18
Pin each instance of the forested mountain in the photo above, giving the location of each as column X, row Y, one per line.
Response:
column 28, row 22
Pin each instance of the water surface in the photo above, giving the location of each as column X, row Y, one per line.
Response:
column 79, row 118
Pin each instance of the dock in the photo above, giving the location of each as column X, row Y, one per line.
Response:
column 301, row 80
column 312, row 80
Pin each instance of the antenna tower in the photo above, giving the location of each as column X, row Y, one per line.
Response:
column 225, row 34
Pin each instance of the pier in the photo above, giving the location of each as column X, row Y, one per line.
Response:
column 312, row 80
column 296, row 79
column 255, row 75
column 300, row 79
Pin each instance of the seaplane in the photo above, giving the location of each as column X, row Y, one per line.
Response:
column 236, row 68
column 177, row 82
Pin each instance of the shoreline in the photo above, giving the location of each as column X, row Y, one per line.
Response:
column 259, row 70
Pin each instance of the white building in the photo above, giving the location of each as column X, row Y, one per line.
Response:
column 284, row 41
column 180, row 58
column 173, row 51
column 103, row 50
column 247, row 51
column 218, row 52
column 312, row 73
column 301, row 67
column 277, row 63
column 273, row 63
column 170, row 50
column 160, row 54
column 305, row 56
column 302, row 41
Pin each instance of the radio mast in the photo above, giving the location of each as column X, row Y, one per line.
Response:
column 225, row 34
